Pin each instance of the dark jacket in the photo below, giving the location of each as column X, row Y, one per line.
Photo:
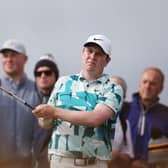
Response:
column 156, row 119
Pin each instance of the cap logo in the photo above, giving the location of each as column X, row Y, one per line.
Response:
column 98, row 39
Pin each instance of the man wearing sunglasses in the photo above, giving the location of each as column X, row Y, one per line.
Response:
column 46, row 74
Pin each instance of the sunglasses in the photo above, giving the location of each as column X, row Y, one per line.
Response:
column 46, row 73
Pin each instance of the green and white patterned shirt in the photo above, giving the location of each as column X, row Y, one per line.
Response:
column 76, row 93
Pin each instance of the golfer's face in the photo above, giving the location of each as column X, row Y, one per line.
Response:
column 94, row 59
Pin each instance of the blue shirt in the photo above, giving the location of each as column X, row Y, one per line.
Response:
column 20, row 135
column 76, row 93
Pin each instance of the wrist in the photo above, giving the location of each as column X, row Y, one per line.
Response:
column 46, row 123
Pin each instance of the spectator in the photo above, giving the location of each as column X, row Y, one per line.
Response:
column 146, row 114
column 21, row 141
column 46, row 74
column 83, row 106
column 122, row 145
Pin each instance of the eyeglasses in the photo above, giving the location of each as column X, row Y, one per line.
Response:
column 46, row 73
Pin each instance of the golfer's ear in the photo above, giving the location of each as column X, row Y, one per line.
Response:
column 108, row 59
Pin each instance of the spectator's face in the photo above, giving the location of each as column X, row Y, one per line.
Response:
column 13, row 62
column 45, row 78
column 94, row 60
column 150, row 85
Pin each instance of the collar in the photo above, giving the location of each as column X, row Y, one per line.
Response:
column 136, row 95
column 20, row 83
column 103, row 79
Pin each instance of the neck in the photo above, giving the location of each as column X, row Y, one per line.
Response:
column 90, row 76
column 15, row 77
column 45, row 92
column 148, row 103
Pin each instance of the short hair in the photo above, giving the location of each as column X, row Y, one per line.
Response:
column 158, row 70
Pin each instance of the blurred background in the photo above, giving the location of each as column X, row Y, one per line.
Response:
column 138, row 30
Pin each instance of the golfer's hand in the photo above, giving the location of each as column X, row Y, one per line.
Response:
column 45, row 111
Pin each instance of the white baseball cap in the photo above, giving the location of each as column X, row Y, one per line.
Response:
column 102, row 41
column 13, row 45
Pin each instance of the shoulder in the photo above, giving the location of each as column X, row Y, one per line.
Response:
column 30, row 84
column 159, row 107
column 30, row 88
column 162, row 106
column 68, row 77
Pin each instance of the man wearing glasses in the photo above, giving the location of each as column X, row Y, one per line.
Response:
column 46, row 74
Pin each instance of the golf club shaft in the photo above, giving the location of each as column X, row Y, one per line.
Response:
column 16, row 97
